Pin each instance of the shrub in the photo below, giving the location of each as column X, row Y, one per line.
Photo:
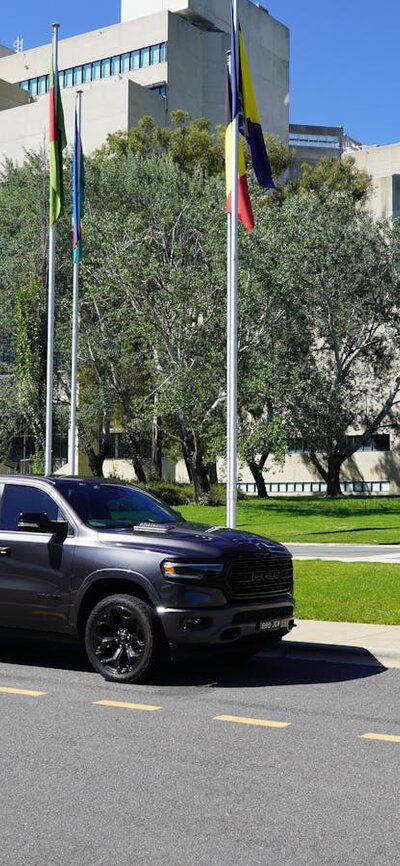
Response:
column 172, row 494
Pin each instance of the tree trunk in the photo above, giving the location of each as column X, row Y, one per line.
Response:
column 212, row 472
column 333, row 476
column 96, row 462
column 139, row 471
column 136, row 458
column 156, row 448
column 194, row 461
column 259, row 479
column 187, row 462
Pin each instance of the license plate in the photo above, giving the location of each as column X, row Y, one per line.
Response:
column 269, row 624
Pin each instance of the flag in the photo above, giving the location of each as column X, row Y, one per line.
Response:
column 252, row 125
column 78, row 192
column 57, row 141
column 245, row 210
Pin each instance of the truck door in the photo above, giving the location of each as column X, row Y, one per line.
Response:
column 35, row 567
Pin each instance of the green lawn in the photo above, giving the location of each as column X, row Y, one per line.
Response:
column 337, row 591
column 347, row 592
column 355, row 519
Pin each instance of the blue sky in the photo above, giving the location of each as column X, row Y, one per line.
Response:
column 345, row 67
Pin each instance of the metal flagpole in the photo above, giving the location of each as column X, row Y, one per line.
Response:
column 48, row 462
column 231, row 463
column 75, row 315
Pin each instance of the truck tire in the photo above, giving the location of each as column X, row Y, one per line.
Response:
column 124, row 639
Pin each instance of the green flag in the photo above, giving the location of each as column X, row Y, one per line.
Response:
column 58, row 142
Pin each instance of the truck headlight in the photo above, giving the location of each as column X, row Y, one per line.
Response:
column 177, row 569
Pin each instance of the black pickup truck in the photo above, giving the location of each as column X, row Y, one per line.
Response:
column 117, row 568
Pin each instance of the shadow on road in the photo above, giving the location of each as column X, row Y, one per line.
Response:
column 66, row 654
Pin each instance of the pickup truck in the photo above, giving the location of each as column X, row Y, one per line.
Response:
column 114, row 566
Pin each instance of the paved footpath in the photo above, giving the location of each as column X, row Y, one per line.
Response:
column 346, row 552
column 352, row 642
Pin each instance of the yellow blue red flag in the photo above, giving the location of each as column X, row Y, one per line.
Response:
column 245, row 210
column 242, row 103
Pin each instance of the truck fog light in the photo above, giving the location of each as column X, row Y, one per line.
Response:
column 195, row 623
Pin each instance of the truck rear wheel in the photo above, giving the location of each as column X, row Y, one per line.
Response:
column 124, row 639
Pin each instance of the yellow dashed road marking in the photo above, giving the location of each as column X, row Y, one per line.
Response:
column 11, row 691
column 242, row 720
column 145, row 707
column 387, row 738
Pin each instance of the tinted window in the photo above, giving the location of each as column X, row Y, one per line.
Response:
column 18, row 498
column 113, row 505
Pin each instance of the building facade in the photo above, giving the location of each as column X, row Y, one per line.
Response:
column 163, row 55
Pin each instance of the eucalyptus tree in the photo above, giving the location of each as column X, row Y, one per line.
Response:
column 153, row 301
column 23, row 284
column 339, row 267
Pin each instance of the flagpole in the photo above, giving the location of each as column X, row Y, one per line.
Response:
column 232, row 317
column 48, row 463
column 75, row 318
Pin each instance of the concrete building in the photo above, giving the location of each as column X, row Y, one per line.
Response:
column 309, row 144
column 163, row 55
column 383, row 164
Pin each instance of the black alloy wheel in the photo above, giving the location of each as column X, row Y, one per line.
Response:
column 124, row 640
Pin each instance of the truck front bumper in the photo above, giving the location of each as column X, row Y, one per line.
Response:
column 188, row 630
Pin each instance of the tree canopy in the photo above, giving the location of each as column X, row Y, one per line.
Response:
column 318, row 306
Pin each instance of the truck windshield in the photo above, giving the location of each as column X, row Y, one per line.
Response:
column 114, row 505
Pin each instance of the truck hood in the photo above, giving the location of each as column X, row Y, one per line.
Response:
column 194, row 539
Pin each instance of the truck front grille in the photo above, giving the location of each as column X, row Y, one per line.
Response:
column 260, row 578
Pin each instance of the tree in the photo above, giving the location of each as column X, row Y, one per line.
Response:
column 189, row 142
column 270, row 343
column 30, row 362
column 10, row 416
column 340, row 270
column 160, row 257
column 332, row 176
column 23, row 283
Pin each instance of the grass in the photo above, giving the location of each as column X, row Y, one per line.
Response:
column 355, row 519
column 347, row 592
column 336, row 591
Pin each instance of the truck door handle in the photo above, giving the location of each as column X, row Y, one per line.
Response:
column 5, row 551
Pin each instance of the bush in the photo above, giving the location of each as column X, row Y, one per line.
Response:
column 210, row 498
column 183, row 494
column 172, row 494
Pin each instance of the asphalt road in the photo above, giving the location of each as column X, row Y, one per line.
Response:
column 263, row 763
column 347, row 552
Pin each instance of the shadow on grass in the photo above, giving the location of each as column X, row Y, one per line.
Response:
column 66, row 654
column 344, row 507
column 355, row 529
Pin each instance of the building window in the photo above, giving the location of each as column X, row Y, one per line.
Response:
column 106, row 67
column 96, row 70
column 124, row 62
column 161, row 89
column 154, row 54
column 86, row 73
column 377, row 442
column 77, row 75
column 145, row 57
column 115, row 65
column 135, row 59
column 41, row 85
